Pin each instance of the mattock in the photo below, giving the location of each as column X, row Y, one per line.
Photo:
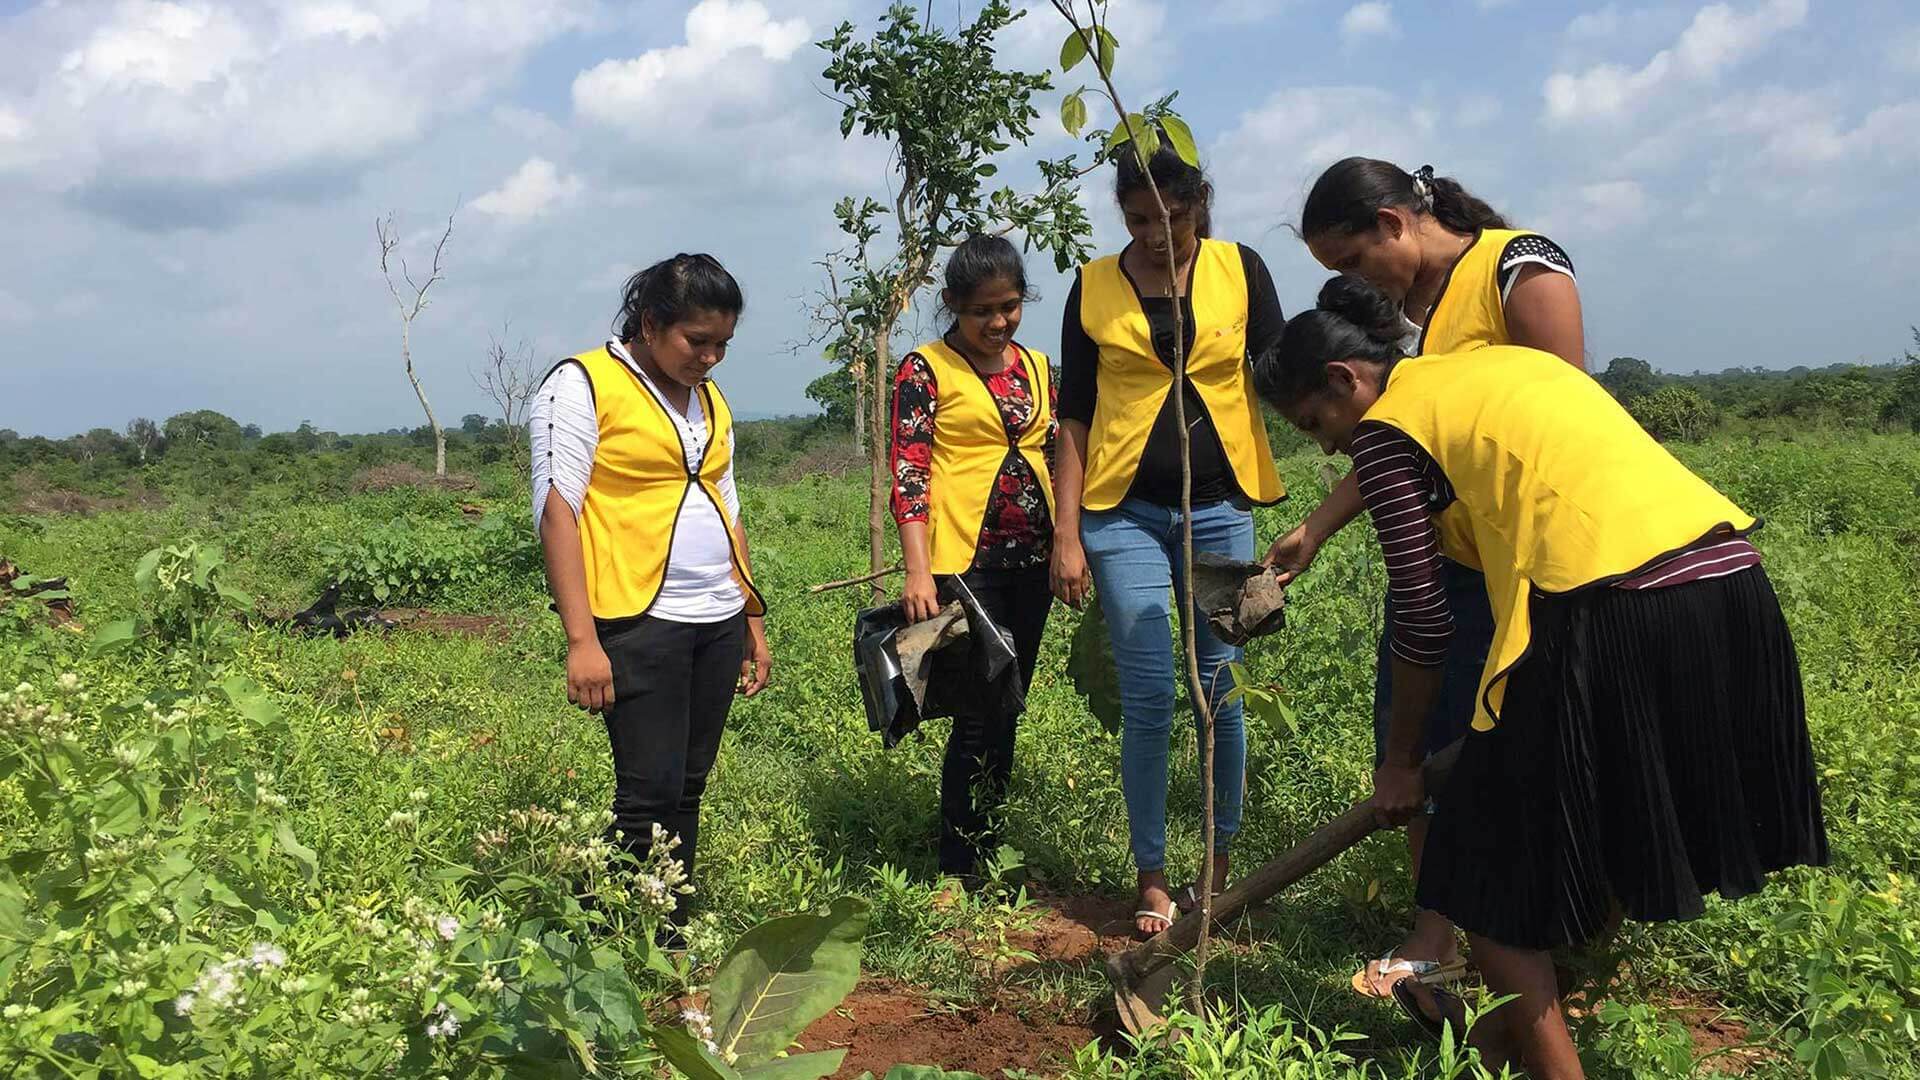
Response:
column 1142, row 976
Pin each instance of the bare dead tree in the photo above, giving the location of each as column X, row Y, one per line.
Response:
column 510, row 379
column 410, row 304
column 844, row 343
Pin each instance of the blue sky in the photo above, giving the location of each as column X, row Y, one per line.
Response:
column 191, row 187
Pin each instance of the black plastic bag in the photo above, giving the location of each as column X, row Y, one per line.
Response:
column 976, row 670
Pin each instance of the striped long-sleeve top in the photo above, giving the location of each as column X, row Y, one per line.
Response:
column 1403, row 488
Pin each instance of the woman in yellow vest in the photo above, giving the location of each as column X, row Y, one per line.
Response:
column 1117, row 482
column 1640, row 735
column 1463, row 278
column 646, row 553
column 973, row 430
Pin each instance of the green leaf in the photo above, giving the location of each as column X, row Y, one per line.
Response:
column 250, row 699
column 115, row 634
column 1090, row 666
column 928, row 1072
column 306, row 857
column 783, row 975
column 1072, row 51
column 798, row 1067
column 144, row 571
column 687, row 1055
column 1108, row 45
column 1181, row 137
column 1073, row 113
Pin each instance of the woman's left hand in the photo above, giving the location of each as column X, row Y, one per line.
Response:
column 757, row 664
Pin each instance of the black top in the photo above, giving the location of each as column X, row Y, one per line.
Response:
column 1157, row 480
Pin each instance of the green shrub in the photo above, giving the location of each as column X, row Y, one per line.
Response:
column 1675, row 412
column 417, row 562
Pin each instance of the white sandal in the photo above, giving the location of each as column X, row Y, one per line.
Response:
column 1167, row 917
column 1430, row 972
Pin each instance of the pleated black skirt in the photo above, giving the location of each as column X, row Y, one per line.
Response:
column 1652, row 749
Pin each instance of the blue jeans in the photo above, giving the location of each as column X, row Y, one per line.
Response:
column 1134, row 553
column 1460, row 683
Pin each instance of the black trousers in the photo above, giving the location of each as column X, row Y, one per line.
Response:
column 973, row 779
column 672, row 686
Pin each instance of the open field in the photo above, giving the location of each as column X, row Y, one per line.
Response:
column 393, row 754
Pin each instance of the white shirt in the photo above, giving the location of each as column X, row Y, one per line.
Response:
column 563, row 430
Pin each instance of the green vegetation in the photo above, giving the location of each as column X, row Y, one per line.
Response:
column 284, row 829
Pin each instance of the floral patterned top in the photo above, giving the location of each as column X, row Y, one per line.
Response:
column 1018, row 530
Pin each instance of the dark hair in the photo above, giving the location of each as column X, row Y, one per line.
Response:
column 671, row 289
column 1353, row 320
column 1177, row 180
column 980, row 259
column 1349, row 195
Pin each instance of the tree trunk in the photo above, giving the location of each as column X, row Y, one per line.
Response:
column 859, row 373
column 439, row 436
column 880, row 473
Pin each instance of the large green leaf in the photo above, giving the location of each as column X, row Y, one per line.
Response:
column 1181, row 136
column 688, row 1056
column 1090, row 666
column 250, row 699
column 115, row 634
column 783, row 975
column 797, row 1067
column 1072, row 51
column 306, row 857
column 1073, row 113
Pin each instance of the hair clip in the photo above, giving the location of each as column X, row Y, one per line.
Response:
column 1423, row 186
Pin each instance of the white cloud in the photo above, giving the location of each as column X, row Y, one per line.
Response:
column 1612, row 204
column 533, row 190
column 633, row 94
column 1373, row 18
column 1592, row 25
column 1717, row 38
column 163, row 114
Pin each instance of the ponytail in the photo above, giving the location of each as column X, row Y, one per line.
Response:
column 1350, row 195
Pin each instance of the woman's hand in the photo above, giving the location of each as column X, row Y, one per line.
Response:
column 1069, row 574
column 1293, row 552
column 920, row 598
column 1398, row 793
column 757, row 665
column 589, row 676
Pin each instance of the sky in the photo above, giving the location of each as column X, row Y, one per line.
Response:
column 191, row 187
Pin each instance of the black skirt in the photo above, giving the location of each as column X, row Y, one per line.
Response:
column 1652, row 749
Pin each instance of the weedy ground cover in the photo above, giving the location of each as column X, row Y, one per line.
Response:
column 218, row 816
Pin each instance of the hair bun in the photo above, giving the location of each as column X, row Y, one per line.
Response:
column 1357, row 301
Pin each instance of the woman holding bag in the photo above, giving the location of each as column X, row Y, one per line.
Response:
column 973, row 435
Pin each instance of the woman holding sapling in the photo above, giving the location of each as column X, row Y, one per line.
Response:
column 1117, row 482
column 1460, row 277
column 973, row 433
column 646, row 553
column 1639, row 737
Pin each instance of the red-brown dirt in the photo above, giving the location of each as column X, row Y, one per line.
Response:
column 881, row 1026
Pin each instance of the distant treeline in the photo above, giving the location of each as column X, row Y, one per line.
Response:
column 206, row 450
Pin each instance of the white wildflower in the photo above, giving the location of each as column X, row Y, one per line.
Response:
column 444, row 1025
column 126, row 756
column 402, row 821
column 446, row 926
column 491, row 983
column 68, row 682
column 266, row 955
column 183, row 1005
column 418, row 796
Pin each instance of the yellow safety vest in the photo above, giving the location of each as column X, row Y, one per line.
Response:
column 1561, row 489
column 1467, row 315
column 970, row 446
column 1134, row 383
column 640, row 480
column 1468, row 312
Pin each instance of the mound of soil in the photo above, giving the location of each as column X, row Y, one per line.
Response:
column 405, row 474
column 1073, row 927
column 33, row 498
column 881, row 1026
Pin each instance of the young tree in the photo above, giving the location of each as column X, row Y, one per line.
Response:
column 944, row 104
column 409, row 307
column 1139, row 133
column 145, row 436
column 510, row 379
